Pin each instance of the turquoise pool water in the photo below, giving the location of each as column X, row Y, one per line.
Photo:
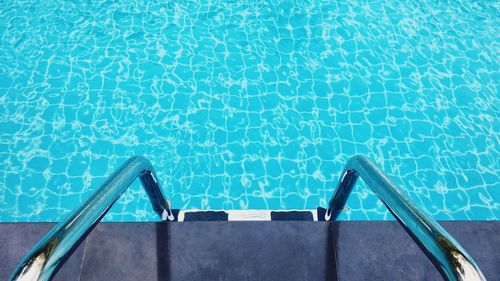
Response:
column 249, row 104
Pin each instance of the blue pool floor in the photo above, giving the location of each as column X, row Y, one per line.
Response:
column 249, row 104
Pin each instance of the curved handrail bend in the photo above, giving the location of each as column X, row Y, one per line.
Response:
column 443, row 250
column 56, row 246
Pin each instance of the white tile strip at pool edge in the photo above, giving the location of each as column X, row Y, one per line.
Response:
column 247, row 215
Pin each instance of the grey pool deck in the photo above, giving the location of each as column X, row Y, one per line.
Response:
column 272, row 250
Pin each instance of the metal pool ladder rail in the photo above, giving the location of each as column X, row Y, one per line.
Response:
column 441, row 248
column 56, row 246
column 49, row 254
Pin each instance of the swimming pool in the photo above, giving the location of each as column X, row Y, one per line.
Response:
column 249, row 105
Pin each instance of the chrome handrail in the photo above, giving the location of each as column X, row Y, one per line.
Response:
column 58, row 244
column 443, row 250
